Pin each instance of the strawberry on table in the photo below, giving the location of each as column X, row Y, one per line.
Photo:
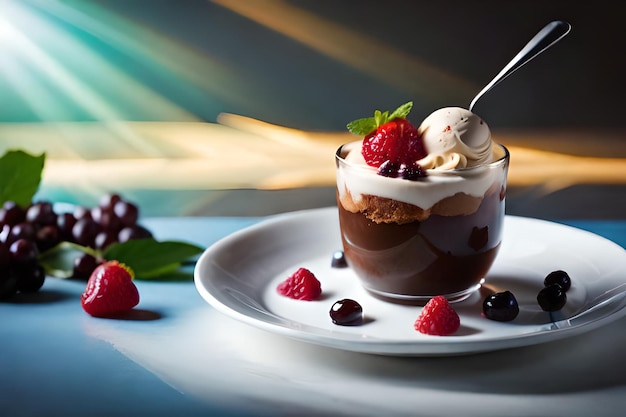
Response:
column 110, row 290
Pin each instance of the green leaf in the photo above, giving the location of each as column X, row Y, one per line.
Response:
column 402, row 112
column 362, row 126
column 20, row 175
column 59, row 260
column 150, row 258
column 367, row 125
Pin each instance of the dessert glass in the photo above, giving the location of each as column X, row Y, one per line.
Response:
column 408, row 241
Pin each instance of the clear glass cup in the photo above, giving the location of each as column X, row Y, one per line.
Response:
column 408, row 241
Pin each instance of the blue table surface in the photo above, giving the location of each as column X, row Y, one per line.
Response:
column 55, row 360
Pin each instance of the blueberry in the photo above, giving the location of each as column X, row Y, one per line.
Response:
column 339, row 260
column 552, row 298
column 389, row 169
column 412, row 172
column 558, row 277
column 501, row 306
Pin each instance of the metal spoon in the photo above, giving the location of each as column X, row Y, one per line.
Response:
column 605, row 304
column 545, row 38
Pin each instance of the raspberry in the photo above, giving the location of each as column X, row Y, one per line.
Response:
column 301, row 285
column 438, row 318
column 110, row 290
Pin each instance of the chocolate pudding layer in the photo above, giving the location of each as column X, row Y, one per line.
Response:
column 413, row 261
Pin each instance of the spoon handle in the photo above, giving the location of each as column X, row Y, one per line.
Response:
column 545, row 38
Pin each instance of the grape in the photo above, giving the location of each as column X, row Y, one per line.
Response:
column 47, row 237
column 8, row 283
column 23, row 230
column 65, row 223
column 109, row 200
column 41, row 213
column 30, row 277
column 133, row 232
column 106, row 218
column 85, row 230
column 11, row 213
column 126, row 212
column 5, row 256
column 81, row 212
column 23, row 250
column 25, row 233
column 84, row 266
column 104, row 239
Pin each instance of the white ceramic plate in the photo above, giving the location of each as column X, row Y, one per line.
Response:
column 238, row 276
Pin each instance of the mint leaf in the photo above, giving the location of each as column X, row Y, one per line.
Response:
column 150, row 258
column 20, row 175
column 402, row 111
column 362, row 126
column 367, row 125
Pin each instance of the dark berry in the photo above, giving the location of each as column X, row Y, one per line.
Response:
column 108, row 201
column 5, row 255
column 81, row 212
column 23, row 250
column 346, row 312
column 41, row 213
column 106, row 218
column 501, row 306
column 133, row 232
column 339, row 260
column 84, row 265
column 389, row 169
column 5, row 231
column 85, row 230
column 8, row 283
column 47, row 237
column 558, row 277
column 22, row 230
column 30, row 277
column 11, row 213
column 104, row 239
column 551, row 298
column 412, row 172
column 127, row 212
column 65, row 223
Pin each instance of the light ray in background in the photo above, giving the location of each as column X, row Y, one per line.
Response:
column 408, row 73
column 64, row 57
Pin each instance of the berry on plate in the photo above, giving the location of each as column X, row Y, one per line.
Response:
column 501, row 306
column 389, row 137
column 110, row 290
column 438, row 318
column 301, row 285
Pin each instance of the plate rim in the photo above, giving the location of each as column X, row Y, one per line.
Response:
column 436, row 346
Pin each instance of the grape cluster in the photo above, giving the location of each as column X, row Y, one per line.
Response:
column 27, row 232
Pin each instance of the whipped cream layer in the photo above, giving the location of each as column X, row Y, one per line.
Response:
column 356, row 179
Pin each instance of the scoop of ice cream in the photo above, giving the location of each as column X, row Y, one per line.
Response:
column 455, row 138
